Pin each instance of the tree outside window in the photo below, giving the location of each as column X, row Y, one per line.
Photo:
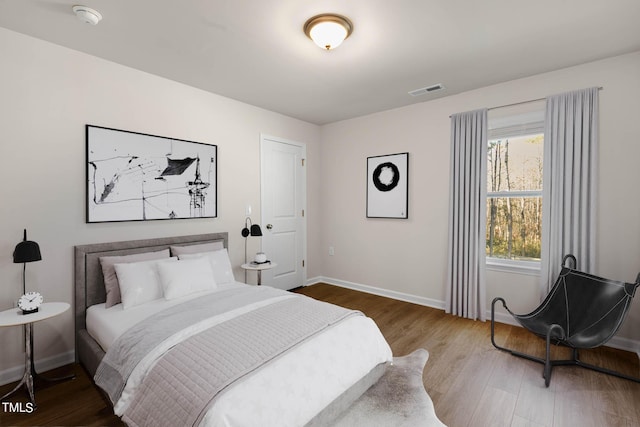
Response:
column 514, row 197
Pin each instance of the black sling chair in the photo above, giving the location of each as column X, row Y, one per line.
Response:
column 581, row 311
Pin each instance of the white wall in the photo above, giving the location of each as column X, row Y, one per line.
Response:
column 48, row 95
column 409, row 256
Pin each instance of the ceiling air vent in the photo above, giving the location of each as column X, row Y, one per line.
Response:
column 428, row 89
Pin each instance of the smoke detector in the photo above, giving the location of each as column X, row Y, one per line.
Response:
column 87, row 15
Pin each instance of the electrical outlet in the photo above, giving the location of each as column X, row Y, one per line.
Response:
column 247, row 210
column 331, row 251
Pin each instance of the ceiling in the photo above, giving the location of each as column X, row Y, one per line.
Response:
column 255, row 51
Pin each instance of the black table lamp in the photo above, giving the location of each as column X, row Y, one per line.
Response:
column 249, row 229
column 26, row 251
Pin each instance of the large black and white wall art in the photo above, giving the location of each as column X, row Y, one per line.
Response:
column 136, row 177
column 388, row 186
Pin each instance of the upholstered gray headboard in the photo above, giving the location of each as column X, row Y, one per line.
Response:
column 89, row 283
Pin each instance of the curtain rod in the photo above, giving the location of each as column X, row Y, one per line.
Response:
column 517, row 103
column 523, row 102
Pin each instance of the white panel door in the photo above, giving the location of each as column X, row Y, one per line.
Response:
column 283, row 192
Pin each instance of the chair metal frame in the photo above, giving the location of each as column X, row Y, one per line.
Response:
column 556, row 333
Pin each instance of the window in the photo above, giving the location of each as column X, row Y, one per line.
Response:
column 514, row 193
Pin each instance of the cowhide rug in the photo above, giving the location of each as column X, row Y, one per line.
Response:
column 398, row 399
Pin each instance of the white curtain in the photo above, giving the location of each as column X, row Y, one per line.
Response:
column 570, row 180
column 467, row 215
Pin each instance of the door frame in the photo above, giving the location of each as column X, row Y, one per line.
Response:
column 303, row 202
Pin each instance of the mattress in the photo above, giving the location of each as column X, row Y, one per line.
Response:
column 288, row 391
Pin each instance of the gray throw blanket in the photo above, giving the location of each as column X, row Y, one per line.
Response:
column 183, row 384
column 132, row 346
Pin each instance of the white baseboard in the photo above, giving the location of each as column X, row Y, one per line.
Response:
column 615, row 342
column 42, row 365
column 625, row 344
column 401, row 296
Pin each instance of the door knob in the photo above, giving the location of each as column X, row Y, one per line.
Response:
column 269, row 226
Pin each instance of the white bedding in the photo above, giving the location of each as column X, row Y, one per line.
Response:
column 289, row 391
column 106, row 324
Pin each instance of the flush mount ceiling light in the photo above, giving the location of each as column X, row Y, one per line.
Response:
column 87, row 15
column 328, row 30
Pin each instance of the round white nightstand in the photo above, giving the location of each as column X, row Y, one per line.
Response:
column 14, row 317
column 259, row 268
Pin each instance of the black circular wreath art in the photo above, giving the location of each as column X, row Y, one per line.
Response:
column 389, row 168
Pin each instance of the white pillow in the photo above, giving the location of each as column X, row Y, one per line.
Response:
column 111, row 285
column 139, row 282
column 222, row 270
column 186, row 277
column 192, row 249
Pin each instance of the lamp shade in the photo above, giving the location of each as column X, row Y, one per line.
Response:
column 255, row 230
column 26, row 251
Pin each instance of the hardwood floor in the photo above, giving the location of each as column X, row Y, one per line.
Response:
column 76, row 402
column 471, row 383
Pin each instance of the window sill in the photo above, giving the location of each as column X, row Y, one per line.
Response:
column 530, row 268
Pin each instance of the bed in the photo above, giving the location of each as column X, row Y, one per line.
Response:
column 289, row 368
